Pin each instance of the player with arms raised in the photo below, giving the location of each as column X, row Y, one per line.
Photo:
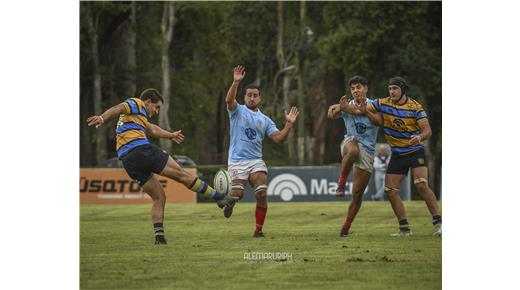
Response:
column 248, row 128
column 357, row 148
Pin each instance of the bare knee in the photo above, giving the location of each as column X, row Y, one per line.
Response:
column 239, row 193
column 391, row 191
column 261, row 194
column 422, row 185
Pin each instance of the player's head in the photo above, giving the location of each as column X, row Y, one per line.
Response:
column 397, row 88
column 382, row 150
column 252, row 97
column 152, row 101
column 358, row 87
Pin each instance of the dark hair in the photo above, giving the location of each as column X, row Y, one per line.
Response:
column 152, row 94
column 400, row 82
column 357, row 80
column 253, row 86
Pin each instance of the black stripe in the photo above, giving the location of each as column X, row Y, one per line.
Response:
column 130, row 130
column 204, row 187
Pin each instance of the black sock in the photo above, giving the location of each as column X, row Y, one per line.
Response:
column 158, row 229
column 436, row 220
column 404, row 226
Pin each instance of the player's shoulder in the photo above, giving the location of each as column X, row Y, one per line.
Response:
column 385, row 100
column 239, row 108
column 414, row 104
column 370, row 101
column 135, row 99
column 264, row 115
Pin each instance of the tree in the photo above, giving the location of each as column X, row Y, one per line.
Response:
column 101, row 150
column 167, row 25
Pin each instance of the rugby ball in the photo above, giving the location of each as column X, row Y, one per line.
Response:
column 222, row 182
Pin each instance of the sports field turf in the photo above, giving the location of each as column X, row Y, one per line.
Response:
column 205, row 250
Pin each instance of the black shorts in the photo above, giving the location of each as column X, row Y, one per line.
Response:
column 144, row 160
column 401, row 164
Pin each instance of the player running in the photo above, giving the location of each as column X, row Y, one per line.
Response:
column 357, row 148
column 248, row 128
column 141, row 159
column 406, row 127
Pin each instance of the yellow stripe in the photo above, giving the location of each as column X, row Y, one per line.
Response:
column 128, row 136
column 209, row 189
column 127, row 108
column 196, row 185
column 396, row 141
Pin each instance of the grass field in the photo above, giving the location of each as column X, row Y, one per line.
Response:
column 205, row 250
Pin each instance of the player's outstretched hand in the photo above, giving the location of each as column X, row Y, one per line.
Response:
column 416, row 139
column 292, row 115
column 239, row 72
column 362, row 107
column 95, row 121
column 177, row 137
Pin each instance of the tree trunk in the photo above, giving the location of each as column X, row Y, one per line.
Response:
column 334, row 88
column 167, row 25
column 129, row 83
column 282, row 64
column 300, row 100
column 101, row 150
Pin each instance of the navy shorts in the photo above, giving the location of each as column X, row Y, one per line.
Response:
column 401, row 164
column 144, row 160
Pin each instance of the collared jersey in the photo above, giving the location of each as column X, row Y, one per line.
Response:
column 131, row 127
column 360, row 127
column 247, row 131
column 400, row 122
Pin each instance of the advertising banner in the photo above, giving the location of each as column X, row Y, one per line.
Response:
column 114, row 186
column 313, row 184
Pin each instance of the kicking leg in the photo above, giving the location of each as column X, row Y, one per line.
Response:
column 179, row 174
column 237, row 191
column 350, row 153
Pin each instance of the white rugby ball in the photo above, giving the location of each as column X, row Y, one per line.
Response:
column 222, row 182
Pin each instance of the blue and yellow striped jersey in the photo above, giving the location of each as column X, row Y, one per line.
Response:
column 131, row 127
column 400, row 123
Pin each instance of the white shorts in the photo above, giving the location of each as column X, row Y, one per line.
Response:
column 365, row 161
column 242, row 169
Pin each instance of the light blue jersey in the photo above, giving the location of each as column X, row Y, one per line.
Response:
column 248, row 129
column 361, row 128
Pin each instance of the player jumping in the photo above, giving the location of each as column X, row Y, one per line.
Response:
column 141, row 159
column 357, row 148
column 248, row 128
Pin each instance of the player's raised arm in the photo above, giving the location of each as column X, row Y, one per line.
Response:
column 159, row 132
column 369, row 110
column 348, row 108
column 290, row 118
column 114, row 111
column 238, row 75
column 426, row 132
column 334, row 111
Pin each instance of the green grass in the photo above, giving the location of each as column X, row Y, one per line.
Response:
column 205, row 250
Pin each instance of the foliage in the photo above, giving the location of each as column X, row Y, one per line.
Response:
column 374, row 39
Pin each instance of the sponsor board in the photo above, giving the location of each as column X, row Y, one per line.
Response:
column 312, row 184
column 114, row 186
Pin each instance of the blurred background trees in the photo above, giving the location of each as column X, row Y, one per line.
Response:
column 300, row 53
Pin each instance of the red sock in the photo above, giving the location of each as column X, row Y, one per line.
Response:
column 260, row 217
column 348, row 223
column 343, row 177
